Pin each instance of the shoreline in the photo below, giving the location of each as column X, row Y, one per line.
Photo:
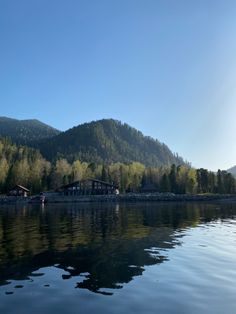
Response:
column 140, row 197
column 132, row 197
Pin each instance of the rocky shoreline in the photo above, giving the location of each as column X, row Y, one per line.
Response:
column 131, row 197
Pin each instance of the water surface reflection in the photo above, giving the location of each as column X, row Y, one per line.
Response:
column 102, row 246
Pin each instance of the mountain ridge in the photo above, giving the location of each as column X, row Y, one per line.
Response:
column 25, row 131
column 232, row 170
column 98, row 141
column 108, row 140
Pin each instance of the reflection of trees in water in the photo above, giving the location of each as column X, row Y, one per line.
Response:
column 107, row 242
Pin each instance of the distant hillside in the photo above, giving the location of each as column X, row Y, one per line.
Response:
column 25, row 131
column 107, row 141
column 232, row 171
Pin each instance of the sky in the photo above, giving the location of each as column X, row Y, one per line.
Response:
column 166, row 67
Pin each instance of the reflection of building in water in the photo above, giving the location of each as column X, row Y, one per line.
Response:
column 24, row 210
column 88, row 187
column 117, row 208
column 42, row 207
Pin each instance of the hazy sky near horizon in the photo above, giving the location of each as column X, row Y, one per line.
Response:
column 166, row 67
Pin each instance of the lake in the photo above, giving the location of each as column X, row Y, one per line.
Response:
column 118, row 258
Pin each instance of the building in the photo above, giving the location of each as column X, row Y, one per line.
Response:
column 19, row 190
column 148, row 188
column 88, row 187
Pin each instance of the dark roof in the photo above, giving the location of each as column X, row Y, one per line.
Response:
column 103, row 182
column 148, row 187
column 93, row 180
column 20, row 187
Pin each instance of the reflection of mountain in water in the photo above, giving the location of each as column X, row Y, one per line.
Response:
column 106, row 245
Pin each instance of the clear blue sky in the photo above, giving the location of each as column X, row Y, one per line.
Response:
column 166, row 67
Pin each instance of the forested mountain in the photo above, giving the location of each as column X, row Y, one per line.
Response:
column 107, row 141
column 25, row 131
column 232, row 170
column 103, row 141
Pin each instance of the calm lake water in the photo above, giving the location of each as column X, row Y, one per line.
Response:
column 137, row 258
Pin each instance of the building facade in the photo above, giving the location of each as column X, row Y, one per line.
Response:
column 88, row 187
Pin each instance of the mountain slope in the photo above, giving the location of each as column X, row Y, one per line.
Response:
column 25, row 131
column 232, row 170
column 107, row 141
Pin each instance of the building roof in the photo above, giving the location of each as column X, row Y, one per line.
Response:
column 148, row 187
column 93, row 180
column 20, row 187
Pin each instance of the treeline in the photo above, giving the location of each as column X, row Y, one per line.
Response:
column 26, row 166
column 22, row 165
column 187, row 180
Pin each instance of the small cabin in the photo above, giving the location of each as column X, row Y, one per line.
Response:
column 148, row 188
column 88, row 187
column 19, row 190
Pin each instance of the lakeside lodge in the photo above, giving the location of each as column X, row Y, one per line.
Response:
column 88, row 187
